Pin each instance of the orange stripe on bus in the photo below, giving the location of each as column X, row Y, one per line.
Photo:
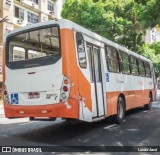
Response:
column 133, row 99
column 81, row 87
column 54, row 110
column 69, row 64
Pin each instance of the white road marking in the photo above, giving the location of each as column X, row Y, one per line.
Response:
column 145, row 111
column 110, row 126
column 27, row 123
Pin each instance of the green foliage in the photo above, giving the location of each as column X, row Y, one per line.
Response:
column 122, row 21
column 132, row 27
column 85, row 13
column 149, row 12
column 152, row 51
column 112, row 19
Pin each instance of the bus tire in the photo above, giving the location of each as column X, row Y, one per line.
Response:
column 31, row 118
column 149, row 105
column 119, row 117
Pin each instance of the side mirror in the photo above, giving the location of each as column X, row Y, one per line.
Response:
column 156, row 69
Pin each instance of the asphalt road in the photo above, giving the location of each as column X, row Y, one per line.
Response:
column 140, row 128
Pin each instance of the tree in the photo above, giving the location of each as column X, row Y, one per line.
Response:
column 149, row 13
column 84, row 12
column 133, row 29
column 124, row 23
column 152, row 51
column 112, row 19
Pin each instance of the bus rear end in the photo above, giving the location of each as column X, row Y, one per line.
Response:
column 34, row 84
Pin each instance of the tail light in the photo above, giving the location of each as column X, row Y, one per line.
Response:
column 4, row 89
column 65, row 89
column 66, row 81
column 64, row 96
column 5, row 93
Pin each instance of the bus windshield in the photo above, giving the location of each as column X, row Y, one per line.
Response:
column 33, row 48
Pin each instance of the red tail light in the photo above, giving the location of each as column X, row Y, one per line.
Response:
column 65, row 88
column 5, row 92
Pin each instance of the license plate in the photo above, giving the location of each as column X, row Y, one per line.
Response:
column 33, row 95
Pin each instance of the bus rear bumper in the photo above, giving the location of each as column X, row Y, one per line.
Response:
column 53, row 111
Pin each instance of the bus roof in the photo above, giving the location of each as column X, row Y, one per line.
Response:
column 64, row 23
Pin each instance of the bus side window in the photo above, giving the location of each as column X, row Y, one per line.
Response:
column 81, row 50
column 125, row 64
column 141, row 68
column 158, row 84
column 120, row 55
column 147, row 69
column 134, row 65
column 18, row 53
column 137, row 62
column 112, row 59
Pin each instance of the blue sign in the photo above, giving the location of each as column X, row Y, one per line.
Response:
column 14, row 99
column 107, row 77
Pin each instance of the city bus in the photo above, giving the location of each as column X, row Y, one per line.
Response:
column 59, row 69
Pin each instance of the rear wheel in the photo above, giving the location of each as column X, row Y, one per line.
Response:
column 119, row 117
column 31, row 118
column 149, row 105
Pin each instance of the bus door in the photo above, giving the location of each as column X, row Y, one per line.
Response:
column 98, row 108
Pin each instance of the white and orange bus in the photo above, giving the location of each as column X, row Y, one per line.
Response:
column 59, row 69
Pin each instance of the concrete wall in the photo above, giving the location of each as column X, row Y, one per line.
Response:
column 59, row 5
column 6, row 11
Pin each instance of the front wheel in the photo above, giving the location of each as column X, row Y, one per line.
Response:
column 119, row 117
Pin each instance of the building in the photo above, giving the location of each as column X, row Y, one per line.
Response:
column 25, row 12
column 19, row 13
column 152, row 35
column 158, row 34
